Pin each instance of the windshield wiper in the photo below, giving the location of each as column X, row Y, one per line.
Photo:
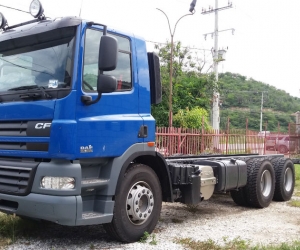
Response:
column 26, row 87
column 32, row 95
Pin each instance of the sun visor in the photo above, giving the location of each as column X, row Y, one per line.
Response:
column 40, row 27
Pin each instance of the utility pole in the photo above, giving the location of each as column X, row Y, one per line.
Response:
column 261, row 109
column 215, row 101
column 218, row 56
column 215, row 108
column 261, row 103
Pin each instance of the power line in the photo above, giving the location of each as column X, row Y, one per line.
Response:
column 14, row 8
column 186, row 47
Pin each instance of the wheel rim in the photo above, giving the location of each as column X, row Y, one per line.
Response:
column 139, row 203
column 288, row 179
column 266, row 183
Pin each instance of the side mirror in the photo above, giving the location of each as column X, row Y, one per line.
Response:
column 108, row 53
column 106, row 84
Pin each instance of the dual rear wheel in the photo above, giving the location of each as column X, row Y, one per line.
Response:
column 285, row 179
column 266, row 181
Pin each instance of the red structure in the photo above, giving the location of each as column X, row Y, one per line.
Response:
column 174, row 141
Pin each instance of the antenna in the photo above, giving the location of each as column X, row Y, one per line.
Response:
column 13, row 8
column 80, row 8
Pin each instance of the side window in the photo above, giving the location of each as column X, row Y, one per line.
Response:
column 90, row 69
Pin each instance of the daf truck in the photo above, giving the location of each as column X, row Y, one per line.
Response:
column 77, row 138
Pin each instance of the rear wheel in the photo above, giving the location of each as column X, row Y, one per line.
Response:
column 137, row 205
column 260, row 183
column 285, row 179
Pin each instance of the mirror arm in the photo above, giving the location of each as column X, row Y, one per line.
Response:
column 87, row 100
column 90, row 102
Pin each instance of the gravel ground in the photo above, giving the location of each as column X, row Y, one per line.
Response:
column 215, row 219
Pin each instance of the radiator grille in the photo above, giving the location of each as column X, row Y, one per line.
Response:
column 16, row 177
column 11, row 130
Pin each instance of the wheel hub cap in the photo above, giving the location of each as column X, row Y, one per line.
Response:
column 288, row 179
column 140, row 202
column 266, row 183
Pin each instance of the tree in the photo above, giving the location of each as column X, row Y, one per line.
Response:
column 191, row 87
column 194, row 118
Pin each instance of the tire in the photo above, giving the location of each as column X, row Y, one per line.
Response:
column 260, row 183
column 282, row 149
column 239, row 197
column 137, row 205
column 284, row 179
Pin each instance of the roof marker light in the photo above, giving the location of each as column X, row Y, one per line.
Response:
column 36, row 9
column 3, row 21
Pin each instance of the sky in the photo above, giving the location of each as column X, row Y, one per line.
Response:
column 265, row 45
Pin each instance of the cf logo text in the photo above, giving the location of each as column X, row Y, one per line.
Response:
column 42, row 125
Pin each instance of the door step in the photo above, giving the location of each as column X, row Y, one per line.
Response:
column 91, row 215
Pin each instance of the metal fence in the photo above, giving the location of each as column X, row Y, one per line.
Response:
column 173, row 141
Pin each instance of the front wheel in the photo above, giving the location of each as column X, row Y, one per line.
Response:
column 137, row 205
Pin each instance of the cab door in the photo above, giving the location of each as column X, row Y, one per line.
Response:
column 110, row 126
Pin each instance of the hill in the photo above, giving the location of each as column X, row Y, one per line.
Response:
column 241, row 98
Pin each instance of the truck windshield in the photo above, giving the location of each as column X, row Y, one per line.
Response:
column 45, row 63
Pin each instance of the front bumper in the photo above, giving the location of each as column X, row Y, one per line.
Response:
column 58, row 209
column 26, row 197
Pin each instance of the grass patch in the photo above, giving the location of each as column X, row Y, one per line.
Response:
column 297, row 177
column 297, row 180
column 294, row 203
column 296, row 193
column 145, row 238
column 235, row 244
column 12, row 227
column 284, row 246
column 203, row 245
column 153, row 240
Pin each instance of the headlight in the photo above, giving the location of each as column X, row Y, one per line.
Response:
column 58, row 182
column 36, row 8
column 3, row 21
